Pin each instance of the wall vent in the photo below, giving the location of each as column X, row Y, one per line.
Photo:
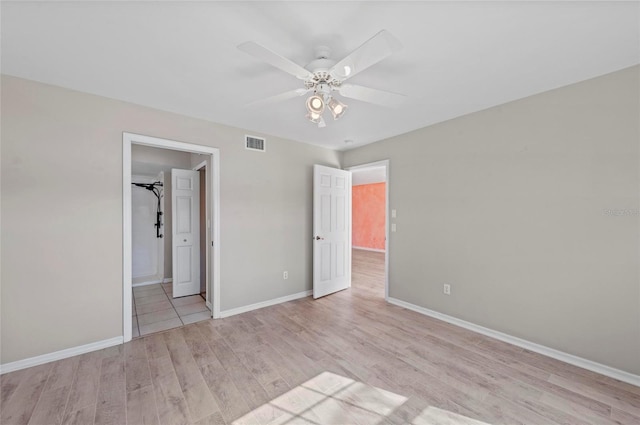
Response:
column 254, row 143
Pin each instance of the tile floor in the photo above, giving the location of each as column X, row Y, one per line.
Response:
column 155, row 309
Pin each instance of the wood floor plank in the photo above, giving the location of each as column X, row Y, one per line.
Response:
column 252, row 391
column 156, row 346
column 20, row 406
column 214, row 419
column 137, row 372
column 276, row 388
column 82, row 416
column 288, row 370
column 629, row 403
column 141, row 407
column 293, row 354
column 51, row 406
column 84, row 390
column 584, row 414
column 258, row 365
column 9, row 383
column 111, row 401
column 622, row 417
column 228, row 396
column 62, row 373
column 195, row 390
column 598, row 382
column 198, row 346
column 170, row 402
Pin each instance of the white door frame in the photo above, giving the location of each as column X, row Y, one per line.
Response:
column 129, row 139
column 207, row 266
column 387, row 215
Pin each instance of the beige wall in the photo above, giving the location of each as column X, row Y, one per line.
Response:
column 147, row 157
column 509, row 206
column 62, row 213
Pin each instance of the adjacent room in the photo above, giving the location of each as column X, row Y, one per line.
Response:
column 320, row 212
column 155, row 305
column 369, row 229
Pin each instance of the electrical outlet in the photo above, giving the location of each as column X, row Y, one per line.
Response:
column 285, row 275
column 393, row 227
column 447, row 289
column 393, row 213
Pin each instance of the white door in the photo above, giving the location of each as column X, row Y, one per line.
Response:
column 185, row 204
column 331, row 230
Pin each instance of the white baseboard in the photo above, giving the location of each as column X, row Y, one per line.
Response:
column 167, row 280
column 263, row 304
column 209, row 306
column 150, row 282
column 59, row 355
column 605, row 370
column 367, row 249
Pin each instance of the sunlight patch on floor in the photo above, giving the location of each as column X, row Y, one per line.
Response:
column 326, row 399
column 333, row 399
column 432, row 415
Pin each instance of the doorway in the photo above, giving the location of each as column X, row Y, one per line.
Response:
column 370, row 228
column 211, row 216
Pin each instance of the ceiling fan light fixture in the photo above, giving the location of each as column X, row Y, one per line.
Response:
column 315, row 104
column 314, row 118
column 337, row 108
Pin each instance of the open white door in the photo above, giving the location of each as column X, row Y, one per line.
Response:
column 185, row 204
column 331, row 230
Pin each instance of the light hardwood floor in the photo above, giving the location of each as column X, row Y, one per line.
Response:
column 348, row 358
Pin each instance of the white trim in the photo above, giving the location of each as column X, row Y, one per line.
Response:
column 387, row 215
column 151, row 282
column 167, row 280
column 263, row 304
column 199, row 166
column 127, row 140
column 605, row 370
column 127, row 322
column 362, row 248
column 207, row 243
column 215, row 230
column 59, row 355
column 209, row 306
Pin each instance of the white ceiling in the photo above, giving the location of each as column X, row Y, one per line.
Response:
column 458, row 57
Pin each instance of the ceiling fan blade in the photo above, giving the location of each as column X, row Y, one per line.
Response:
column 378, row 97
column 371, row 52
column 274, row 59
column 277, row 98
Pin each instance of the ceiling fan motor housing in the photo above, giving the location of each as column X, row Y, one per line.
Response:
column 320, row 71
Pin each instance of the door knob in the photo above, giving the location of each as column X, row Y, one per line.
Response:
column 318, row 238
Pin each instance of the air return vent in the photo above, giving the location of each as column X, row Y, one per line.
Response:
column 254, row 143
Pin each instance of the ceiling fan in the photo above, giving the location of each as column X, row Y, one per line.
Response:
column 323, row 76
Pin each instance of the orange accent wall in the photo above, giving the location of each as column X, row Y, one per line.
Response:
column 368, row 203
